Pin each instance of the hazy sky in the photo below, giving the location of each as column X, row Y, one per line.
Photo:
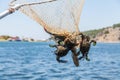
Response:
column 96, row 14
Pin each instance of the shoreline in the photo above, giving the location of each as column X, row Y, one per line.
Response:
column 51, row 41
column 108, row 42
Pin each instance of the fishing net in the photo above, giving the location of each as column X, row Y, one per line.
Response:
column 59, row 17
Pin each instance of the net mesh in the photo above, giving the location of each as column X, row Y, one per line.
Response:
column 59, row 17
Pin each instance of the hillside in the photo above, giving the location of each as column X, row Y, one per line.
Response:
column 108, row 34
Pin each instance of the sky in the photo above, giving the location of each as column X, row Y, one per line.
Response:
column 96, row 14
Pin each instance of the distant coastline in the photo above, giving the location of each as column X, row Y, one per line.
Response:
column 7, row 38
column 109, row 34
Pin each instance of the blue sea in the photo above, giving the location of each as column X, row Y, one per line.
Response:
column 36, row 61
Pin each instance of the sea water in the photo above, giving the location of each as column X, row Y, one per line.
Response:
column 36, row 61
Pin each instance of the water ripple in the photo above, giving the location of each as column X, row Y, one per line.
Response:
column 35, row 61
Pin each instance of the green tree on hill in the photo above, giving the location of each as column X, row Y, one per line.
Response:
column 116, row 25
column 5, row 37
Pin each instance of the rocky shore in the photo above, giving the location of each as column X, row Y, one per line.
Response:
column 109, row 34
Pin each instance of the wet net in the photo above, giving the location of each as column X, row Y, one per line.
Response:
column 59, row 17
